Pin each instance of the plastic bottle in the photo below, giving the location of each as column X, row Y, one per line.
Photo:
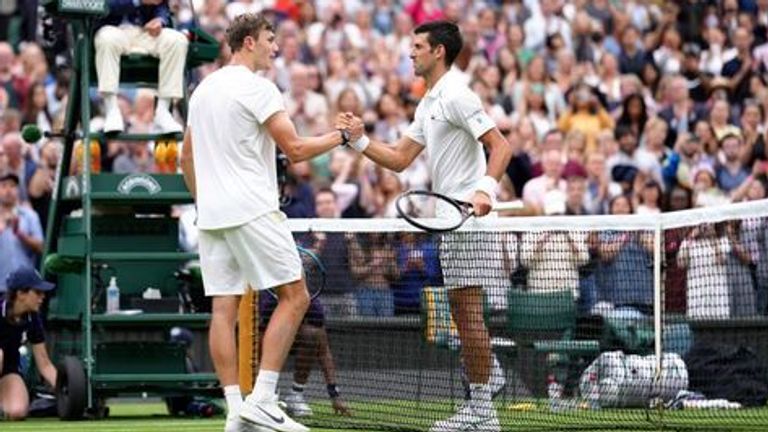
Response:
column 555, row 393
column 113, row 296
column 593, row 392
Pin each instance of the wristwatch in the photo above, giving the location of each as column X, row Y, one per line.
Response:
column 344, row 136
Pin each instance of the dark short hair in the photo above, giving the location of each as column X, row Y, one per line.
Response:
column 443, row 33
column 247, row 24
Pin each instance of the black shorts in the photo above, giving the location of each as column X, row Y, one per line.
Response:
column 315, row 315
column 11, row 364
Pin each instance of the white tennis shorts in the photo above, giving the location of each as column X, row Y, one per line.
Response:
column 261, row 253
column 463, row 259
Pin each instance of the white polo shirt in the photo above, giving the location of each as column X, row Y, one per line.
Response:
column 449, row 120
column 234, row 154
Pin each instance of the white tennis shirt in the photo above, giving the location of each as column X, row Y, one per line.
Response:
column 449, row 120
column 234, row 154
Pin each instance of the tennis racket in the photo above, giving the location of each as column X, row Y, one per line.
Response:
column 313, row 271
column 418, row 209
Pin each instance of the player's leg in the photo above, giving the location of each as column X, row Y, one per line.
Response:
column 467, row 312
column 14, row 399
column 478, row 413
column 265, row 250
column 224, row 281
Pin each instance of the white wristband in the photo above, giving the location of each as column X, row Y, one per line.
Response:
column 361, row 144
column 487, row 185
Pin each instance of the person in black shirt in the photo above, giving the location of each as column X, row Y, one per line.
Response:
column 19, row 315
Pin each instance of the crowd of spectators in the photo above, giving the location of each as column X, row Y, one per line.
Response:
column 612, row 107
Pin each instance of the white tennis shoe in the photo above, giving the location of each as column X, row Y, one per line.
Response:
column 467, row 418
column 268, row 414
column 297, row 405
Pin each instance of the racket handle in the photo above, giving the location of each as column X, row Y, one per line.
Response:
column 509, row 205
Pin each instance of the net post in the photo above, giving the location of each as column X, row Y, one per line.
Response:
column 248, row 339
column 657, row 298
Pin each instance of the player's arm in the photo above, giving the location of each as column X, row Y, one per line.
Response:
column 188, row 163
column 298, row 148
column 499, row 155
column 329, row 371
column 44, row 364
column 395, row 157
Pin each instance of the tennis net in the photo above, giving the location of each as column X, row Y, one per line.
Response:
column 606, row 321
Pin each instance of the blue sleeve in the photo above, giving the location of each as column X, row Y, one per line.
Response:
column 162, row 12
column 122, row 7
column 669, row 170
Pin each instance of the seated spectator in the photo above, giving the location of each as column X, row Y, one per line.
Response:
column 373, row 264
column 730, row 170
column 18, row 160
column 21, row 235
column 138, row 27
column 419, row 267
column 553, row 259
column 597, row 185
column 705, row 190
column 740, row 264
column 537, row 191
column 630, row 154
column 585, row 114
column 703, row 253
column 634, row 115
column 679, row 166
column 649, row 198
column 625, row 274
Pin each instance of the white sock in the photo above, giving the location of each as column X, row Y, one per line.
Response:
column 480, row 396
column 163, row 104
column 266, row 385
column 110, row 101
column 234, row 398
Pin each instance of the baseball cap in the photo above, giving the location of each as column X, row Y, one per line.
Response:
column 25, row 278
column 9, row 176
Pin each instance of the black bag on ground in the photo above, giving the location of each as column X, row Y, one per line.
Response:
column 728, row 372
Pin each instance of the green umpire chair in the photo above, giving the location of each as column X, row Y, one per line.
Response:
column 544, row 328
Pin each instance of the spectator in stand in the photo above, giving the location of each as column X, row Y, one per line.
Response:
column 730, row 170
column 19, row 162
column 553, row 259
column 740, row 69
column 597, row 185
column 703, row 254
column 649, row 198
column 373, row 264
column 720, row 119
column 36, row 112
column 740, row 267
column 632, row 58
column 680, row 113
column 309, row 110
column 419, row 267
column 21, row 235
column 634, row 115
column 585, row 114
column 625, row 275
column 43, row 181
column 549, row 185
column 11, row 80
